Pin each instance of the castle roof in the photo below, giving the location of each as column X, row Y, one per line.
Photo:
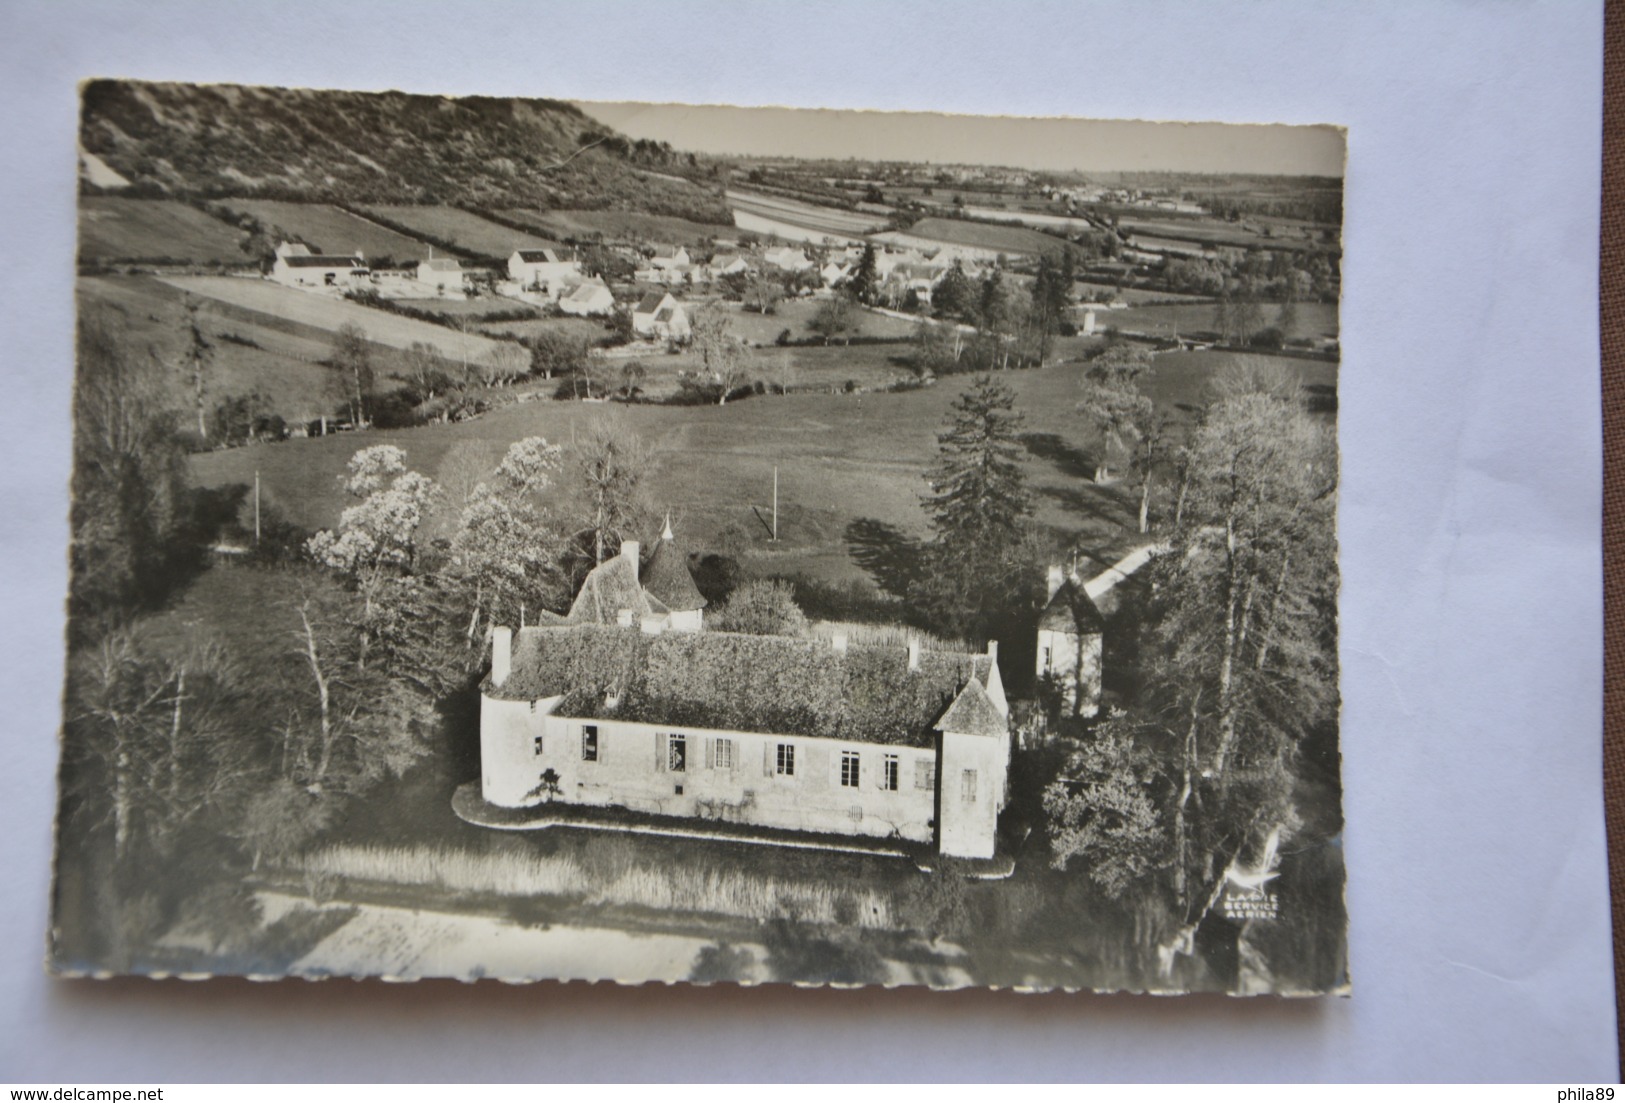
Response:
column 608, row 588
column 775, row 685
column 974, row 713
column 666, row 576
column 1072, row 610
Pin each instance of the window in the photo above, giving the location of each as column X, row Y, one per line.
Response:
column 589, row 742
column 536, row 745
column 925, row 773
column 967, row 786
column 677, row 753
column 533, row 705
column 722, row 754
column 786, row 763
column 888, row 773
column 849, row 769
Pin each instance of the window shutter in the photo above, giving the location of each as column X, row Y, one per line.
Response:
column 660, row 752
column 710, row 753
column 767, row 758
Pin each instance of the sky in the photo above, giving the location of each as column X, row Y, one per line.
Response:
column 1055, row 144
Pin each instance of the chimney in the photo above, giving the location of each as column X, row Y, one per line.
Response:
column 838, row 642
column 629, row 550
column 914, row 654
column 501, row 655
column 623, row 617
column 993, row 650
column 1056, row 577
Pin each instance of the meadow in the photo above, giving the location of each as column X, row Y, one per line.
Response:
column 808, row 216
column 467, row 232
column 619, row 225
column 248, row 358
column 116, row 229
column 842, row 458
column 981, row 235
column 327, row 229
column 329, row 313
column 1315, row 320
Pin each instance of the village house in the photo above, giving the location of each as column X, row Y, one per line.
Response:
column 659, row 316
column 1071, row 632
column 296, row 266
column 545, row 270
column 669, row 258
column 626, row 703
column 588, row 298
column 727, row 264
column 787, row 259
column 832, row 273
column 442, row 274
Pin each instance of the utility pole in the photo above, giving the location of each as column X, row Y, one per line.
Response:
column 256, row 507
column 775, row 505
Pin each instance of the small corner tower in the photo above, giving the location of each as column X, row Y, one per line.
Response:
column 1070, row 639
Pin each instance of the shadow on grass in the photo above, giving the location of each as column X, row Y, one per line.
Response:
column 892, row 557
column 1069, row 461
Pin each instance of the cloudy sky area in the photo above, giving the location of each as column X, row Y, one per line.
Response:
column 1056, row 144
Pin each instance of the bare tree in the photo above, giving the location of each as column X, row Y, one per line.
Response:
column 614, row 464
column 721, row 354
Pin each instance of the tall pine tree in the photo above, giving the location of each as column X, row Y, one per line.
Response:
column 979, row 506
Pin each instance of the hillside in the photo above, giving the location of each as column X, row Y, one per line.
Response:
column 385, row 147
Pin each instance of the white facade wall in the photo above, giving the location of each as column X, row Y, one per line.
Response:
column 973, row 787
column 632, row 771
column 1074, row 663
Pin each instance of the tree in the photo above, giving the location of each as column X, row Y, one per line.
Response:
column 156, row 741
column 505, row 553
column 128, row 512
column 1114, row 405
column 863, row 281
column 553, row 353
column 503, row 364
column 766, row 608
column 612, row 465
column 721, row 355
column 955, row 296
column 1104, row 810
column 978, row 504
column 834, row 319
column 424, row 368
column 762, row 295
column 198, row 358
column 1241, row 626
column 351, row 358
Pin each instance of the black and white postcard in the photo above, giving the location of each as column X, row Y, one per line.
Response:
column 530, row 539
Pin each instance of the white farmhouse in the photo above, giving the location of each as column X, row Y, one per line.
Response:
column 668, row 258
column 660, row 316
column 588, row 298
column 440, row 274
column 621, row 705
column 547, row 270
column 296, row 266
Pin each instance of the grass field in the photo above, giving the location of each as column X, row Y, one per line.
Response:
column 796, row 314
column 807, row 216
column 330, row 230
column 980, row 235
column 841, row 458
column 323, row 312
column 1205, row 230
column 1134, row 295
column 1314, row 319
column 620, row 225
column 590, row 330
column 114, row 229
column 281, row 368
column 470, row 233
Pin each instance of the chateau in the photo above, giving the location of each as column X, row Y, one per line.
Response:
column 628, row 701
